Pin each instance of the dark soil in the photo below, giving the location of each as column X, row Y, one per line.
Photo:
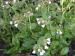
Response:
column 2, row 47
column 72, row 48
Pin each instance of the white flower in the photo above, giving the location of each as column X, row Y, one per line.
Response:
column 49, row 2
column 37, row 19
column 15, row 22
column 6, row 2
column 73, row 0
column 11, row 22
column 39, row 22
column 42, row 52
column 33, row 51
column 59, row 32
column 48, row 43
column 29, row 13
column 3, row 6
column 39, row 5
column 43, row 25
column 48, row 39
column 43, row 21
column 14, row 1
column 36, row 8
column 16, row 25
column 49, row 17
column 46, row 47
column 39, row 50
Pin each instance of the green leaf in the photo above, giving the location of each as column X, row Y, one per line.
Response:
column 12, row 50
column 28, row 43
column 32, row 26
column 62, row 1
column 53, row 6
column 54, row 44
column 64, row 51
column 15, row 41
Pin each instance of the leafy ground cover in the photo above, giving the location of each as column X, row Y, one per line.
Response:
column 37, row 27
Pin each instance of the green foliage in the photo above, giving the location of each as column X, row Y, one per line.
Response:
column 64, row 51
column 27, row 25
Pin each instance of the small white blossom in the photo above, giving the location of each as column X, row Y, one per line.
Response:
column 39, row 5
column 48, row 39
column 69, row 8
column 46, row 47
column 39, row 50
column 73, row 0
column 29, row 13
column 42, row 52
column 39, row 22
column 59, row 32
column 33, row 51
column 37, row 19
column 36, row 8
column 49, row 17
column 15, row 22
column 14, row 1
column 3, row 6
column 49, row 2
column 6, row 2
column 11, row 22
column 43, row 25
column 16, row 25
column 48, row 43
column 43, row 21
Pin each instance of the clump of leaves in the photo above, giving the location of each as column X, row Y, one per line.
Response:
column 44, row 26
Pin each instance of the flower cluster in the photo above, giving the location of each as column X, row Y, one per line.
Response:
column 49, row 1
column 37, row 7
column 14, row 1
column 6, row 2
column 59, row 32
column 41, row 22
column 14, row 22
column 29, row 13
column 41, row 50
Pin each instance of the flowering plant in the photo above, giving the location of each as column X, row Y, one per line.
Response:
column 42, row 27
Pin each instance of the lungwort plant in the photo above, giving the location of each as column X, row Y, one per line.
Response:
column 42, row 27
